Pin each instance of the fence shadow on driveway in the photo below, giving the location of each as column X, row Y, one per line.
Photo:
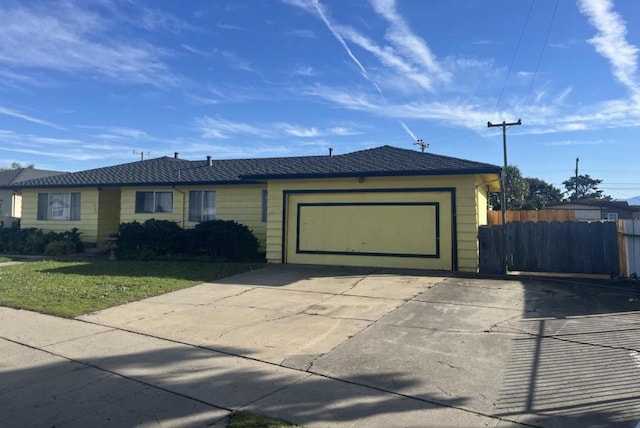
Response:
column 578, row 362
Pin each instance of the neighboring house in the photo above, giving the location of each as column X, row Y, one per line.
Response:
column 10, row 199
column 594, row 209
column 386, row 206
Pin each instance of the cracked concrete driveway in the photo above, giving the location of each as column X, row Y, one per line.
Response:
column 332, row 346
column 283, row 315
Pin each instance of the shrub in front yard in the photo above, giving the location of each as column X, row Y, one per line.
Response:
column 224, row 240
column 35, row 241
column 221, row 240
column 150, row 239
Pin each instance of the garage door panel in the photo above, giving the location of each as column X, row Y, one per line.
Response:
column 398, row 229
column 386, row 228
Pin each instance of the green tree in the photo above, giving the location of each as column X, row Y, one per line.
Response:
column 517, row 190
column 540, row 194
column 587, row 188
column 16, row 165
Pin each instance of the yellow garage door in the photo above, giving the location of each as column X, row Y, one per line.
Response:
column 410, row 229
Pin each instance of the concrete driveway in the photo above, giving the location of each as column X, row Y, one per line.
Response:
column 331, row 346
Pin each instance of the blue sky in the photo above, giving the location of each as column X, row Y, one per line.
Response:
column 84, row 84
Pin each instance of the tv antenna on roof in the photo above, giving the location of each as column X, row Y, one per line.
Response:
column 142, row 154
column 422, row 145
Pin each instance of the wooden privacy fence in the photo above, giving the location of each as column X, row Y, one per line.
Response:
column 571, row 247
column 629, row 245
column 495, row 217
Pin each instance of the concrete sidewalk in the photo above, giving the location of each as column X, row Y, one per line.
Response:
column 70, row 373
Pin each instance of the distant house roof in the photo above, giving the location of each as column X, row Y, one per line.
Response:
column 381, row 161
column 10, row 177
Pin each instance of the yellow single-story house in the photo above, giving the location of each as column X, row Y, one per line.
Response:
column 386, row 206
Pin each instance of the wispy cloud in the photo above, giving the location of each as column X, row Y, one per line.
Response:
column 46, row 147
column 70, row 39
column 235, row 61
column 610, row 41
column 219, row 128
column 305, row 34
column 408, row 131
column 337, row 34
column 295, row 130
column 216, row 127
column 575, row 143
column 13, row 113
column 116, row 133
column 407, row 42
column 306, row 71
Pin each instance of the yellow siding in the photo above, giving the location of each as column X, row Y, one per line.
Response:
column 108, row 213
column 242, row 204
column 466, row 206
column 128, row 205
column 87, row 225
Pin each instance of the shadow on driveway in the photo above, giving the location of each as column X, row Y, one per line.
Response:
column 579, row 363
column 69, row 384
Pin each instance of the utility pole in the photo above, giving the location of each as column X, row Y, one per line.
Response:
column 576, row 195
column 503, row 186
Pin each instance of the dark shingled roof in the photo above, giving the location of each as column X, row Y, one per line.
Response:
column 380, row 161
column 12, row 176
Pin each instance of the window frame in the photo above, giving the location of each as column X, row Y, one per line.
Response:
column 201, row 200
column 68, row 206
column 140, row 205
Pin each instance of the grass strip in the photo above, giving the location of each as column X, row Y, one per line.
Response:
column 69, row 289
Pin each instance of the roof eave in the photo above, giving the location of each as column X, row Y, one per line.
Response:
column 145, row 184
column 372, row 174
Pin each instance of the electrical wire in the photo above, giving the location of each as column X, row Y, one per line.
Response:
column 513, row 59
column 544, row 45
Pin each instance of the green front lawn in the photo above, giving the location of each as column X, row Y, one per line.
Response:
column 69, row 289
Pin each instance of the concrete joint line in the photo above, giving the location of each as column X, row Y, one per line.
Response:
column 309, row 371
column 102, row 369
column 275, row 391
column 467, row 305
column 73, row 338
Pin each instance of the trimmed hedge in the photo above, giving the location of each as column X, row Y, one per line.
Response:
column 14, row 240
column 219, row 240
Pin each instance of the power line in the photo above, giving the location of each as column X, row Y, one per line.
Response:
column 544, row 45
column 513, row 59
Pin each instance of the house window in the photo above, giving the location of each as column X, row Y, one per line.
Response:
column 264, row 205
column 202, row 205
column 59, row 206
column 154, row 202
column 612, row 216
